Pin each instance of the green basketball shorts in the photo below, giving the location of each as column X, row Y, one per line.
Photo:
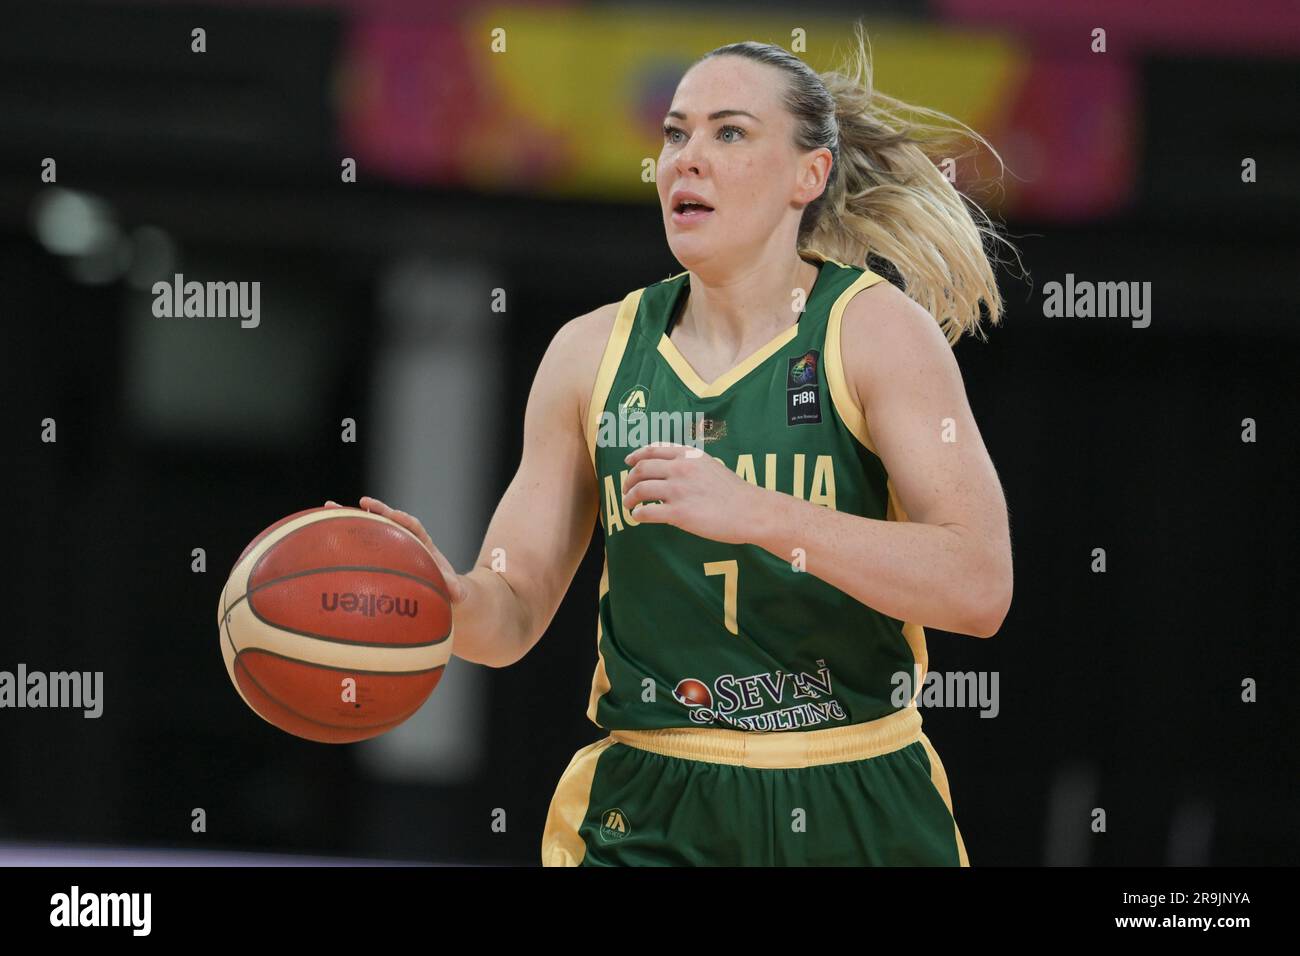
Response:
column 869, row 794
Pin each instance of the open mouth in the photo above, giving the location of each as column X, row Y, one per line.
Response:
column 688, row 209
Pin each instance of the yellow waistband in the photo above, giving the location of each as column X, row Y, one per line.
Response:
column 786, row 749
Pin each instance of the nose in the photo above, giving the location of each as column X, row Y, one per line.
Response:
column 690, row 159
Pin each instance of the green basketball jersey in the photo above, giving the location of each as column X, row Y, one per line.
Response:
column 695, row 633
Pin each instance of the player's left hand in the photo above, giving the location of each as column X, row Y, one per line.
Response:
column 689, row 489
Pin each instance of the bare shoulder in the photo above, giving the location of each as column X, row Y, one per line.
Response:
column 886, row 333
column 584, row 338
column 573, row 357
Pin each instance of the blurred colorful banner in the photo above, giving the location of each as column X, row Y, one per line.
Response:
column 569, row 102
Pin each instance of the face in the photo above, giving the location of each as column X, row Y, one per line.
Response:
column 729, row 142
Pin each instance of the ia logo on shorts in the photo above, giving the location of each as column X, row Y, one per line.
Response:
column 614, row 825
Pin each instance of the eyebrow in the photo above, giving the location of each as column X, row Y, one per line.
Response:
column 720, row 114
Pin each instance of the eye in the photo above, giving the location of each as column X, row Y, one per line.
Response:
column 669, row 132
column 740, row 133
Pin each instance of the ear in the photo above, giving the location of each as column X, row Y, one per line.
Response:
column 814, row 173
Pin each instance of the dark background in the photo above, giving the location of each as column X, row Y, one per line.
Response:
column 1120, row 691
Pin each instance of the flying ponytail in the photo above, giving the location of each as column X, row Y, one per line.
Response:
column 886, row 199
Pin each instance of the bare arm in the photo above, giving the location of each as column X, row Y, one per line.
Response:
column 949, row 565
column 543, row 523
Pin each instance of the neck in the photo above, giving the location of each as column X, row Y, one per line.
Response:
column 747, row 307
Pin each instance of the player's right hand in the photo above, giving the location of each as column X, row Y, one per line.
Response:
column 455, row 587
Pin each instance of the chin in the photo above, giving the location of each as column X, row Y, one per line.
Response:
column 689, row 250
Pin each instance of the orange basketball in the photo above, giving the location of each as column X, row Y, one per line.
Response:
column 335, row 624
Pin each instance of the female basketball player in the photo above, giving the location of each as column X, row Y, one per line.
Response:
column 759, row 637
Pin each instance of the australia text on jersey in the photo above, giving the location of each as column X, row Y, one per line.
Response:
column 820, row 491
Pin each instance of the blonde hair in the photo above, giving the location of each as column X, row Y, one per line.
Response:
column 885, row 197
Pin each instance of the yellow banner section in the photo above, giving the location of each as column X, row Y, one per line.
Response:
column 573, row 100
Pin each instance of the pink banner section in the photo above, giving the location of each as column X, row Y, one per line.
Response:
column 1261, row 27
column 1070, row 138
column 427, row 104
column 407, row 97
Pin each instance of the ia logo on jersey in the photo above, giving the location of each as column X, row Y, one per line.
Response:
column 634, row 399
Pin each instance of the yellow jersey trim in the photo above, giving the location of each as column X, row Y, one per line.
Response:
column 772, row 751
column 939, row 777
column 702, row 389
column 823, row 257
column 856, row 421
column 833, row 360
column 562, row 843
column 600, row 680
column 609, row 362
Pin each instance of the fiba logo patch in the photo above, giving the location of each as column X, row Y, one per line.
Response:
column 803, row 403
column 614, row 825
column 693, row 693
column 803, row 370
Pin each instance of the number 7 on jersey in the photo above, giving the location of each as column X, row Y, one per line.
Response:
column 730, row 571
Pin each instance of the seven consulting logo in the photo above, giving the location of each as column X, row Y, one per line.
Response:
column 693, row 693
column 769, row 700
